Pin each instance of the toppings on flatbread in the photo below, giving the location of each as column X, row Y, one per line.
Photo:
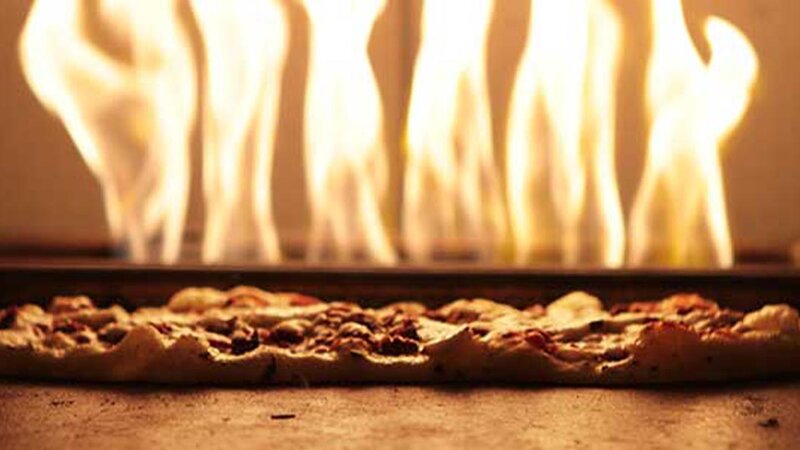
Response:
column 236, row 336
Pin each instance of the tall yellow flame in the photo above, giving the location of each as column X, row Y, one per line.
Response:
column 561, row 182
column 131, row 120
column 130, row 110
column 245, row 44
column 345, row 156
column 452, row 189
column 678, row 216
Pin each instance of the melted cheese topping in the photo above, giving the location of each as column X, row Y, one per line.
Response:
column 576, row 306
column 774, row 319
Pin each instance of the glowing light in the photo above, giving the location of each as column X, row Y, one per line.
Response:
column 452, row 188
column 345, row 156
column 130, row 116
column 245, row 43
column 679, row 215
column 561, row 184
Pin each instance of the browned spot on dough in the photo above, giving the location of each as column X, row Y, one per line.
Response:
column 771, row 422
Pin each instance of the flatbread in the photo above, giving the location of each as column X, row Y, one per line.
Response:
column 249, row 336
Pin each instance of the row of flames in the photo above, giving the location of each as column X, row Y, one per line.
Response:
column 131, row 114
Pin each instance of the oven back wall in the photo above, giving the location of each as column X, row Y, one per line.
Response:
column 47, row 194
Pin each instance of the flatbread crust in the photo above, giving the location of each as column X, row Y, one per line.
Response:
column 249, row 336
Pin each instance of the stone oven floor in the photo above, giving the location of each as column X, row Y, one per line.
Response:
column 89, row 416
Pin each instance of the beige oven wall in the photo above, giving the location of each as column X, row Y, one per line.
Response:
column 47, row 195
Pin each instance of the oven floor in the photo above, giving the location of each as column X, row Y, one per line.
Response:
column 40, row 416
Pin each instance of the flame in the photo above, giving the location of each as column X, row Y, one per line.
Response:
column 345, row 163
column 245, row 44
column 452, row 189
column 121, row 76
column 561, row 182
column 130, row 119
column 679, row 216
